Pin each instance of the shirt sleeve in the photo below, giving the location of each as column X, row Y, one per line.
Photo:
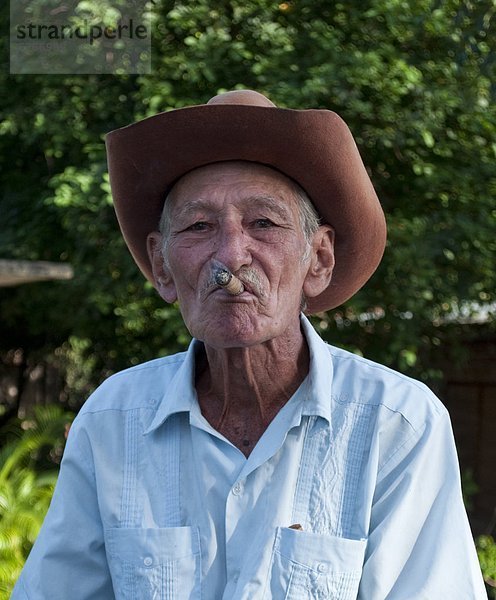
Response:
column 420, row 544
column 68, row 559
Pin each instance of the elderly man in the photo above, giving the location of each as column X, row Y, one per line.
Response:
column 261, row 463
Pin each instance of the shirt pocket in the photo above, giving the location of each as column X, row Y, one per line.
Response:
column 313, row 566
column 151, row 564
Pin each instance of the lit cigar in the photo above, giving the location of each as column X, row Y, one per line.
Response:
column 225, row 279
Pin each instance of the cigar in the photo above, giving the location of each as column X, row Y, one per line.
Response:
column 227, row 280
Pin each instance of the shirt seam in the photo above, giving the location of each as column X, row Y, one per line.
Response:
column 93, row 411
column 156, row 363
column 415, row 436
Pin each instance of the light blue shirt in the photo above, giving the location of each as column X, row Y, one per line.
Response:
column 153, row 503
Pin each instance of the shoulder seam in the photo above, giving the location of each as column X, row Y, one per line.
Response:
column 95, row 411
column 151, row 364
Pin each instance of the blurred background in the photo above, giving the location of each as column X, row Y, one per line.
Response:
column 414, row 79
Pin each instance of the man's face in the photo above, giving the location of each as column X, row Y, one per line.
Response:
column 246, row 217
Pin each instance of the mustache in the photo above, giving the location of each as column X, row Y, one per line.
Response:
column 248, row 276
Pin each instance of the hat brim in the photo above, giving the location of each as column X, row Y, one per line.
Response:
column 313, row 147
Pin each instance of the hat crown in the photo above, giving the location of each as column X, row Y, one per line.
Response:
column 243, row 97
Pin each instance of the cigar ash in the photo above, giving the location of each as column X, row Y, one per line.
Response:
column 225, row 279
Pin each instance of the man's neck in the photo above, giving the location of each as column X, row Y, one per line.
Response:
column 240, row 390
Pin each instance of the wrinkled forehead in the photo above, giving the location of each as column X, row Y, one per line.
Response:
column 255, row 178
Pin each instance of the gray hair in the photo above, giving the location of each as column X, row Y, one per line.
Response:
column 309, row 219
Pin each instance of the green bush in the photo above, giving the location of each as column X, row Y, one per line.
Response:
column 29, row 460
column 486, row 550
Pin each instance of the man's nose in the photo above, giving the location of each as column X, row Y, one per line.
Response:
column 233, row 247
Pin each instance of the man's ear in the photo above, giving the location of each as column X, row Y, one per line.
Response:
column 321, row 262
column 162, row 278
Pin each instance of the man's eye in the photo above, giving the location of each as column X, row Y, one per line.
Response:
column 198, row 226
column 264, row 223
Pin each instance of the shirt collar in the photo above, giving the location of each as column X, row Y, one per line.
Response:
column 314, row 391
column 180, row 394
column 319, row 379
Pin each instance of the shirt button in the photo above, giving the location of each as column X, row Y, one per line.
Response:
column 148, row 562
column 322, row 568
column 237, row 489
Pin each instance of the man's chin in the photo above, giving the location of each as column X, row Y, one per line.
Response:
column 230, row 336
column 231, row 331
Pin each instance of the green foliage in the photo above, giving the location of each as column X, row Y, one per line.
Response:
column 486, row 550
column 29, row 457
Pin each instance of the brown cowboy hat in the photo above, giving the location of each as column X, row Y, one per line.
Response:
column 313, row 147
